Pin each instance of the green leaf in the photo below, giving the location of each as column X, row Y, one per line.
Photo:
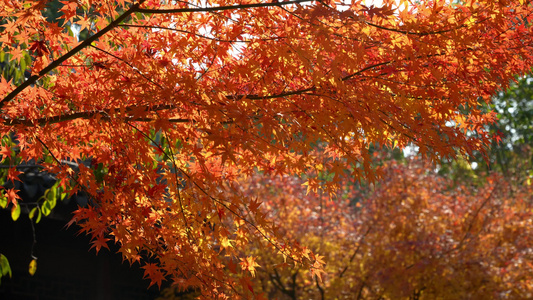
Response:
column 22, row 65
column 39, row 216
column 3, row 200
column 51, row 196
column 47, row 208
column 4, row 265
column 60, row 192
column 32, row 212
column 15, row 212
column 53, row 203
column 48, row 159
column 53, row 192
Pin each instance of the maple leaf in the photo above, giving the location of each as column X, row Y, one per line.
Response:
column 12, row 195
column 39, row 47
column 249, row 264
column 382, row 12
column 226, row 243
column 498, row 137
column 247, row 284
column 317, row 267
column 13, row 174
column 69, row 10
column 16, row 54
column 99, row 242
column 153, row 272
column 254, row 205
column 5, row 151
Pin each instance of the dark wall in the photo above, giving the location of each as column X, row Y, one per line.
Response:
column 66, row 268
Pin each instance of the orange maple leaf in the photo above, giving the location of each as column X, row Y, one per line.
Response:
column 12, row 195
column 13, row 174
column 249, row 264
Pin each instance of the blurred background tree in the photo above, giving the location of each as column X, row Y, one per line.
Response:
column 511, row 151
column 512, row 155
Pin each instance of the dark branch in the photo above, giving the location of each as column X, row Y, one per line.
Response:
column 217, row 8
column 89, row 114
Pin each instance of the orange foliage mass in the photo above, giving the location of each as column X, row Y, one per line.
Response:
column 415, row 235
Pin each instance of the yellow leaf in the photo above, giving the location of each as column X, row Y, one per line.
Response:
column 226, row 243
column 470, row 21
column 33, row 267
column 15, row 212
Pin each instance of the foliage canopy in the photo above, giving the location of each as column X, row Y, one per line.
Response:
column 170, row 103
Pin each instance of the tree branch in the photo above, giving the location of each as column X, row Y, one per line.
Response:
column 355, row 252
column 89, row 114
column 104, row 113
column 217, row 8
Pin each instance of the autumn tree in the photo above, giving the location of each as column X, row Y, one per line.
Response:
column 168, row 103
column 415, row 235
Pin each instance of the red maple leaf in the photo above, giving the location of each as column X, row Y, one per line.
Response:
column 39, row 47
column 153, row 272
column 100, row 242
